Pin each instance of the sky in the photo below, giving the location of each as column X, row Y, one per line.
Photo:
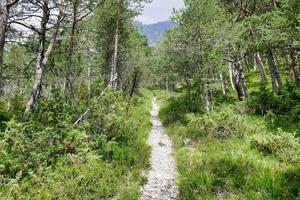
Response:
column 159, row 10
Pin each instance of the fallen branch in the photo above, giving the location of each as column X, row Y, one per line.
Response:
column 80, row 119
column 82, row 116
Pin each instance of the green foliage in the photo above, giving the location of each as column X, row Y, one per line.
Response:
column 100, row 158
column 264, row 100
column 281, row 144
column 90, row 178
column 246, row 164
column 174, row 111
column 216, row 173
column 221, row 123
column 39, row 141
column 28, row 146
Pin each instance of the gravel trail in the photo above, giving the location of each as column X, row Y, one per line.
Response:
column 162, row 175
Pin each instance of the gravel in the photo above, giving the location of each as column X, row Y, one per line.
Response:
column 162, row 175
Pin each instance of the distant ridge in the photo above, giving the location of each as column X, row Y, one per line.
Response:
column 155, row 32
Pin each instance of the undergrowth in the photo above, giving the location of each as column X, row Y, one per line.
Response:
column 50, row 157
column 231, row 153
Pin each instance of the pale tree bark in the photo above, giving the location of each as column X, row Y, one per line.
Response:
column 274, row 71
column 113, row 73
column 231, row 75
column 262, row 68
column 223, row 83
column 254, row 61
column 207, row 97
column 239, row 80
column 5, row 6
column 258, row 60
column 43, row 55
column 286, row 58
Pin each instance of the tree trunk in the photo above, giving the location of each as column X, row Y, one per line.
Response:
column 89, row 73
column 262, row 68
column 114, row 74
column 3, row 23
column 167, row 83
column 254, row 61
column 134, row 82
column 189, row 94
column 68, row 77
column 294, row 71
column 223, row 83
column 231, row 75
column 42, row 56
column 239, row 80
column 107, row 66
column 4, row 14
column 274, row 71
column 207, row 97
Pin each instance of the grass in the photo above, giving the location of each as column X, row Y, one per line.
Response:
column 222, row 160
column 275, row 121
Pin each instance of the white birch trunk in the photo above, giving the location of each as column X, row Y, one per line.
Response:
column 42, row 56
column 114, row 73
column 231, row 75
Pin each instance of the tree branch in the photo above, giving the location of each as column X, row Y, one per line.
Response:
column 11, row 3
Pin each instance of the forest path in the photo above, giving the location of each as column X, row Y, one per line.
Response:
column 162, row 175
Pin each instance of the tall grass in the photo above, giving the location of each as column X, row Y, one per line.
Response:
column 231, row 154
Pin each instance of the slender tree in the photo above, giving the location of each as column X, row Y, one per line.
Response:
column 44, row 52
column 5, row 6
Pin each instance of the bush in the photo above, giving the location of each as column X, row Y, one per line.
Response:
column 90, row 179
column 264, row 101
column 99, row 158
column 281, row 144
column 30, row 145
column 221, row 123
column 174, row 111
column 232, row 168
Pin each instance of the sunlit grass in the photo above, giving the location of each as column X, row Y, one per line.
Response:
column 214, row 167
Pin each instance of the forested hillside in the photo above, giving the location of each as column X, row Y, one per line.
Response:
column 77, row 79
column 155, row 32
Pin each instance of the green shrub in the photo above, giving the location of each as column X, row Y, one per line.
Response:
column 8, row 109
column 290, row 181
column 30, row 145
column 48, row 157
column 281, row 144
column 174, row 111
column 221, row 123
column 285, row 102
column 232, row 168
column 91, row 179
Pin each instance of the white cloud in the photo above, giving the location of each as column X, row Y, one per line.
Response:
column 159, row 10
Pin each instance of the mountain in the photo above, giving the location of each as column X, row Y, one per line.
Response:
column 155, row 32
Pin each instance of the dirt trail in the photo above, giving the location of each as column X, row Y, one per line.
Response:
column 162, row 175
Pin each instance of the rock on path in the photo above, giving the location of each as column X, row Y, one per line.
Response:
column 162, row 175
